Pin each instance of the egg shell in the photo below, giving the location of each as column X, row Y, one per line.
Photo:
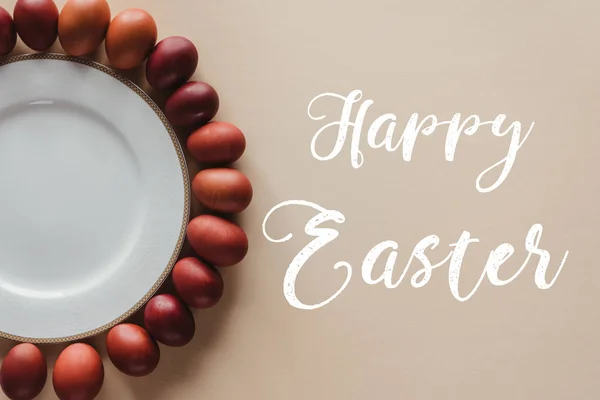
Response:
column 132, row 350
column 23, row 373
column 172, row 62
column 8, row 33
column 169, row 320
column 225, row 190
column 130, row 38
column 78, row 373
column 217, row 143
column 36, row 22
column 192, row 105
column 197, row 283
column 216, row 240
column 82, row 25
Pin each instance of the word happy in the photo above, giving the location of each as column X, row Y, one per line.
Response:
column 407, row 140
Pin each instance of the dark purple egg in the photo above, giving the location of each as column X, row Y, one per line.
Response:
column 169, row 320
column 23, row 373
column 8, row 33
column 192, row 105
column 172, row 62
column 36, row 22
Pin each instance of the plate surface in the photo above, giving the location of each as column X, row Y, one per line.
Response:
column 94, row 198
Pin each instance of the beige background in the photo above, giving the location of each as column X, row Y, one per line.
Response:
column 535, row 61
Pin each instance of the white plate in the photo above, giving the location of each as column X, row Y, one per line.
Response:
column 94, row 198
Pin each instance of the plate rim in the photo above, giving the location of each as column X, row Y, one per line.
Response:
column 186, row 183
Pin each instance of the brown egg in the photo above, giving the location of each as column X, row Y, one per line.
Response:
column 132, row 350
column 217, row 143
column 8, row 33
column 23, row 373
column 216, row 240
column 197, row 283
column 130, row 38
column 82, row 25
column 169, row 320
column 36, row 22
column 225, row 190
column 78, row 373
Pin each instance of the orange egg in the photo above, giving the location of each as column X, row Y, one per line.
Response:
column 216, row 240
column 130, row 38
column 217, row 142
column 225, row 190
column 82, row 25
column 78, row 373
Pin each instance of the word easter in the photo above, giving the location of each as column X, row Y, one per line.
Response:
column 324, row 236
column 411, row 130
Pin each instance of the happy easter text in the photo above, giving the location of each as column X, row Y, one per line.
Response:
column 382, row 133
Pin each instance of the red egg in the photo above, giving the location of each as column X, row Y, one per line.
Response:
column 192, row 105
column 218, row 241
column 169, row 321
column 78, row 373
column 225, row 190
column 172, row 62
column 197, row 283
column 132, row 350
column 217, row 143
column 23, row 373
column 8, row 33
column 36, row 22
